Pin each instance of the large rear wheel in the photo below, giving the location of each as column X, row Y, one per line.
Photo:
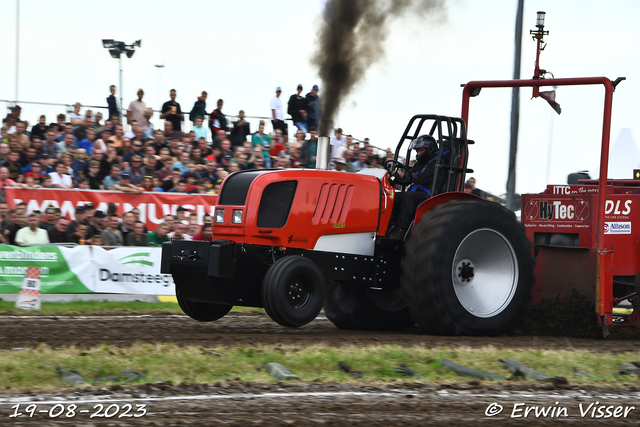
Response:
column 200, row 311
column 350, row 306
column 293, row 291
column 468, row 270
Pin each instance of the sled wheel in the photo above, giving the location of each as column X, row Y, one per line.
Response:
column 468, row 270
column 350, row 306
column 293, row 291
column 200, row 311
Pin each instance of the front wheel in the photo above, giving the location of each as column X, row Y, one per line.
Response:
column 201, row 311
column 468, row 270
column 293, row 291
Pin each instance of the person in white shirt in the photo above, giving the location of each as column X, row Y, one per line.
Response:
column 277, row 113
column 32, row 234
column 337, row 141
column 59, row 178
column 180, row 231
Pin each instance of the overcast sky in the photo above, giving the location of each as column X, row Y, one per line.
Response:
column 241, row 50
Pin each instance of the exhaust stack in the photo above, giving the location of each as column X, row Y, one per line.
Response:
column 322, row 157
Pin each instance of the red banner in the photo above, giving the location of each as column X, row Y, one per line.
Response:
column 152, row 206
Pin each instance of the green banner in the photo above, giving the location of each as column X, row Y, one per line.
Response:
column 55, row 275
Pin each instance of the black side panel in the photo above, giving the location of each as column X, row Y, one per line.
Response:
column 235, row 189
column 275, row 204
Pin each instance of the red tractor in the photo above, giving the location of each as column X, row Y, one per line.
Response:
column 295, row 241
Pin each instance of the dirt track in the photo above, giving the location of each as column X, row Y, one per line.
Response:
column 243, row 329
column 303, row 404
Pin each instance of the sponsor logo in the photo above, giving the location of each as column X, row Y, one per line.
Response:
column 618, row 207
column 22, row 255
column 557, row 210
column 293, row 238
column 142, row 261
column 339, row 225
column 617, row 228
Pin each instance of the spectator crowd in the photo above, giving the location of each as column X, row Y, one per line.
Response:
column 94, row 227
column 124, row 152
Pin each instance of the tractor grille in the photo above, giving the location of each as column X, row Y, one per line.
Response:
column 333, row 203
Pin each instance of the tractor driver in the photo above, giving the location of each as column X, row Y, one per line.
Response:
column 419, row 182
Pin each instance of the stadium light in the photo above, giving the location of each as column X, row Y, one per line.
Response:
column 116, row 49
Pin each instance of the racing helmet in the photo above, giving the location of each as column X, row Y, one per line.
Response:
column 427, row 142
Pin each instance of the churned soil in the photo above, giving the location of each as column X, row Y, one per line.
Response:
column 246, row 329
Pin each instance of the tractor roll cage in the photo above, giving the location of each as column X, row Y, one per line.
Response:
column 454, row 140
column 473, row 88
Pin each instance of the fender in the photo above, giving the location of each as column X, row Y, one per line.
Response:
column 439, row 199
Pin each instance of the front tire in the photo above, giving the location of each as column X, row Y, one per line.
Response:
column 348, row 306
column 293, row 291
column 468, row 270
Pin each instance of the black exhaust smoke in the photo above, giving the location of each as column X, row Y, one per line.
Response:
column 352, row 39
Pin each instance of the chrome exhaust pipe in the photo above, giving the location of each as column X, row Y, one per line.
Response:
column 322, row 157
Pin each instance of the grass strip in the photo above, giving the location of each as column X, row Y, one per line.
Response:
column 101, row 307
column 35, row 368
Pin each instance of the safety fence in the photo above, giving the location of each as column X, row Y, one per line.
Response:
column 86, row 270
column 153, row 206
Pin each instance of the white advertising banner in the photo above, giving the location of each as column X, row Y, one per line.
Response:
column 86, row 269
column 130, row 270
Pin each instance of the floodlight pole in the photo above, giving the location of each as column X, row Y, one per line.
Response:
column 120, row 87
column 17, row 48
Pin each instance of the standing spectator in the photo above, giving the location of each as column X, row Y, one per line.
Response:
column 118, row 137
column 88, row 142
column 135, row 151
column 171, row 112
column 309, row 150
column 23, row 139
column 277, row 112
column 348, row 156
column 180, row 231
column 136, row 111
column 313, row 107
column 361, row 163
column 474, row 190
column 68, row 141
column 50, row 146
column 75, row 117
column 136, row 171
column 241, row 129
column 113, row 178
column 337, row 141
column 126, row 228
column 49, row 221
column 205, row 234
column 40, row 128
column 114, row 110
column 199, row 107
column 262, row 140
column 79, row 219
column 297, row 143
column 126, row 185
column 297, row 109
column 93, row 177
column 158, row 237
column 111, row 236
column 17, row 220
column 199, row 130
column 217, row 119
column 98, row 224
column 58, row 234
column 32, row 234
column 59, row 178
column 138, row 238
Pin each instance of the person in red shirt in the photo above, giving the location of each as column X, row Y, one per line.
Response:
column 36, row 173
column 4, row 178
column 205, row 234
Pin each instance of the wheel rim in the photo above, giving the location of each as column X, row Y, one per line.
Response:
column 485, row 273
column 299, row 292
